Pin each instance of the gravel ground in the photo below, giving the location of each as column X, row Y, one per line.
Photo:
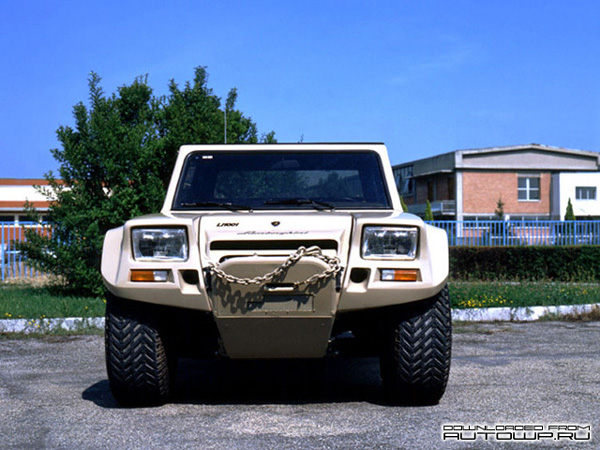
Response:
column 54, row 394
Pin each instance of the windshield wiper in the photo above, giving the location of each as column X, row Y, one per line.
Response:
column 301, row 201
column 227, row 205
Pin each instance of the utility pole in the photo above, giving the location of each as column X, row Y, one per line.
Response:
column 225, row 128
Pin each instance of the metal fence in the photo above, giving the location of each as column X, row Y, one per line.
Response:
column 520, row 232
column 13, row 263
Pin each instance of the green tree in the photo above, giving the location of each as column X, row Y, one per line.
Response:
column 567, row 228
column 499, row 212
column 428, row 212
column 403, row 204
column 569, row 215
column 116, row 163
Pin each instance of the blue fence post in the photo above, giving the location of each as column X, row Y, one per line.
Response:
column 2, row 249
column 16, row 266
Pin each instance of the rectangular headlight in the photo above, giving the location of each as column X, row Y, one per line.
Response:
column 389, row 242
column 159, row 244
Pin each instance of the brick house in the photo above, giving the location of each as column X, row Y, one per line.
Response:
column 534, row 182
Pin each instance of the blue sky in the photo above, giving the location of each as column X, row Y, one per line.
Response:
column 425, row 77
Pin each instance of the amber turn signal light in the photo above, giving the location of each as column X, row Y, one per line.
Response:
column 399, row 274
column 149, row 276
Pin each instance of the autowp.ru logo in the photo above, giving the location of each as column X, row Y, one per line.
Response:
column 516, row 432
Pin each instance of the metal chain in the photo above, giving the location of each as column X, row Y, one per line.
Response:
column 314, row 251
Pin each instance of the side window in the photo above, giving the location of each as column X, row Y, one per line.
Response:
column 585, row 193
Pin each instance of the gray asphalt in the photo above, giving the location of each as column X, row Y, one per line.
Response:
column 54, row 394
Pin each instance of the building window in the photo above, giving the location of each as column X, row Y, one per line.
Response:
column 529, row 188
column 451, row 188
column 585, row 193
column 7, row 219
column 431, row 190
column 404, row 181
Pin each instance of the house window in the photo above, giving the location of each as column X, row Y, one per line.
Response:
column 405, row 181
column 431, row 190
column 529, row 188
column 451, row 188
column 585, row 193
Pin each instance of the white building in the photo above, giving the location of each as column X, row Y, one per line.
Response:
column 581, row 188
column 14, row 193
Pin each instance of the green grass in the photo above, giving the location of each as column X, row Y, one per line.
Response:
column 521, row 294
column 29, row 302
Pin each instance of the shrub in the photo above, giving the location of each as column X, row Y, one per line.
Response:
column 116, row 163
column 568, row 263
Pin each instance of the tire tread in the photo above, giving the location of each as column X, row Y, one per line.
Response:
column 137, row 361
column 415, row 364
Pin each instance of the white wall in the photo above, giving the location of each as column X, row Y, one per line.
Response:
column 20, row 194
column 564, row 185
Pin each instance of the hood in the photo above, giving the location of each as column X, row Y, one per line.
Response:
column 273, row 234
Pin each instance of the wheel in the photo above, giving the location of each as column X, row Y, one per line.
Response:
column 415, row 360
column 138, row 362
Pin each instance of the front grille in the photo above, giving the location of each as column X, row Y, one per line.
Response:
column 323, row 244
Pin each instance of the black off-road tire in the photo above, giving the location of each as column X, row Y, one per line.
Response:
column 139, row 365
column 415, row 361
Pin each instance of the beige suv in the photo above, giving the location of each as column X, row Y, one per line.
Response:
column 278, row 251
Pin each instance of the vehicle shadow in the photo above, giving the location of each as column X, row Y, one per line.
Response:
column 225, row 382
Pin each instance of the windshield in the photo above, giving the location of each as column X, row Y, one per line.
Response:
column 282, row 180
